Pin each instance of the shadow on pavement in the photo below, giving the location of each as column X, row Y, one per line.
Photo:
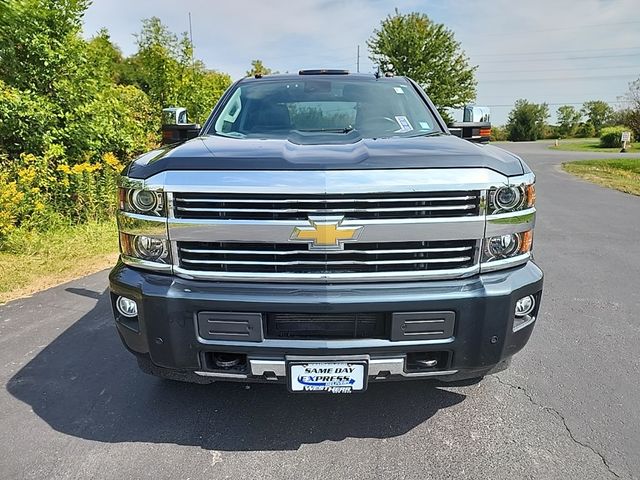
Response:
column 86, row 385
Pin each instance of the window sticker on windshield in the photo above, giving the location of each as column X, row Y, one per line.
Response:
column 425, row 126
column 405, row 126
column 398, row 90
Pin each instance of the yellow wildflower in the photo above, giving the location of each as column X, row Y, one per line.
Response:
column 111, row 160
column 27, row 174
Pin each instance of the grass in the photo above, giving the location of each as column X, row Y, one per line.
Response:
column 32, row 261
column 621, row 174
column 590, row 145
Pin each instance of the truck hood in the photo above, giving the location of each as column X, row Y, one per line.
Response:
column 330, row 153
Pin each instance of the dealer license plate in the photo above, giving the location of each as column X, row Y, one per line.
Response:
column 327, row 377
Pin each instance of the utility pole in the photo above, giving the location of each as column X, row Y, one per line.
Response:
column 358, row 60
column 191, row 41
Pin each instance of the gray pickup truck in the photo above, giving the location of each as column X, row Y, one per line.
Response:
column 325, row 230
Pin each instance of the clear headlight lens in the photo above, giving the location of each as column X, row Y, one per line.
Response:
column 146, row 248
column 507, row 246
column 503, row 246
column 511, row 198
column 141, row 201
column 144, row 200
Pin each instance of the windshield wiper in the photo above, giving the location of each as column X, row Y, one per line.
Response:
column 346, row 129
column 427, row 134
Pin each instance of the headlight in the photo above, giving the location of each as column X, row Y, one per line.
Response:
column 511, row 198
column 507, row 246
column 503, row 246
column 144, row 200
column 150, row 249
column 141, row 201
column 508, row 198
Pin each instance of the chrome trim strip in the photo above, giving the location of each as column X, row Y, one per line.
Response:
column 377, row 366
column 327, row 277
column 260, row 367
column 332, row 262
column 322, row 200
column 137, row 262
column 504, row 263
column 525, row 324
column 318, row 182
column 221, row 374
column 304, row 252
column 512, row 222
column 137, row 224
column 373, row 231
column 322, row 211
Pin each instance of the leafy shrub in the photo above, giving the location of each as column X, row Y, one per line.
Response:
column 610, row 137
column 586, row 130
column 498, row 134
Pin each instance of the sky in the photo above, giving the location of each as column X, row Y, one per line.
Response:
column 554, row 51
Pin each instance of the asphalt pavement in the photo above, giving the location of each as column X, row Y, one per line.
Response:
column 74, row 404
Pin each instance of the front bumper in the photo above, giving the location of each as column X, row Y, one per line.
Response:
column 164, row 335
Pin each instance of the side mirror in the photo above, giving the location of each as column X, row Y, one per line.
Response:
column 476, row 124
column 175, row 126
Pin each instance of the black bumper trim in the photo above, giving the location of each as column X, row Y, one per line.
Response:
column 483, row 307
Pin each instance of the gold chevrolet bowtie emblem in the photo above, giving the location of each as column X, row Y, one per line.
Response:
column 325, row 234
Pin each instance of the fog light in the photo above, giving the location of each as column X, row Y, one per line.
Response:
column 127, row 307
column 525, row 306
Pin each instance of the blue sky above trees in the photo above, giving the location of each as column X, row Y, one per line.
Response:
column 561, row 52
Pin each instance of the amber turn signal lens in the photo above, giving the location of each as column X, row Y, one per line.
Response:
column 526, row 241
column 531, row 195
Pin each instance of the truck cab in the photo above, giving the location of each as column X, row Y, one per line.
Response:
column 325, row 230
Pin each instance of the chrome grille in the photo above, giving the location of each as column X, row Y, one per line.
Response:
column 359, row 257
column 300, row 207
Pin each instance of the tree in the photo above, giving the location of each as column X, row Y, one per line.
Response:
column 527, row 120
column 598, row 113
column 630, row 114
column 258, row 68
column 415, row 46
column 40, row 42
column 164, row 68
column 568, row 120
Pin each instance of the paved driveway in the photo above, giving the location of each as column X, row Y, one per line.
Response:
column 75, row 406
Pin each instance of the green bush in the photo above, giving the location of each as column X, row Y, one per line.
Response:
column 610, row 137
column 586, row 130
column 498, row 133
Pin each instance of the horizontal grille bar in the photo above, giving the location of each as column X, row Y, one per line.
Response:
column 328, row 252
column 360, row 257
column 324, row 200
column 323, row 211
column 300, row 207
column 332, row 262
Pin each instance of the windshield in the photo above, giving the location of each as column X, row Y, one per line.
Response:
column 275, row 108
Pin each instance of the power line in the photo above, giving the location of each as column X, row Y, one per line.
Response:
column 554, row 52
column 586, row 57
column 575, row 27
column 538, row 70
column 504, row 80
